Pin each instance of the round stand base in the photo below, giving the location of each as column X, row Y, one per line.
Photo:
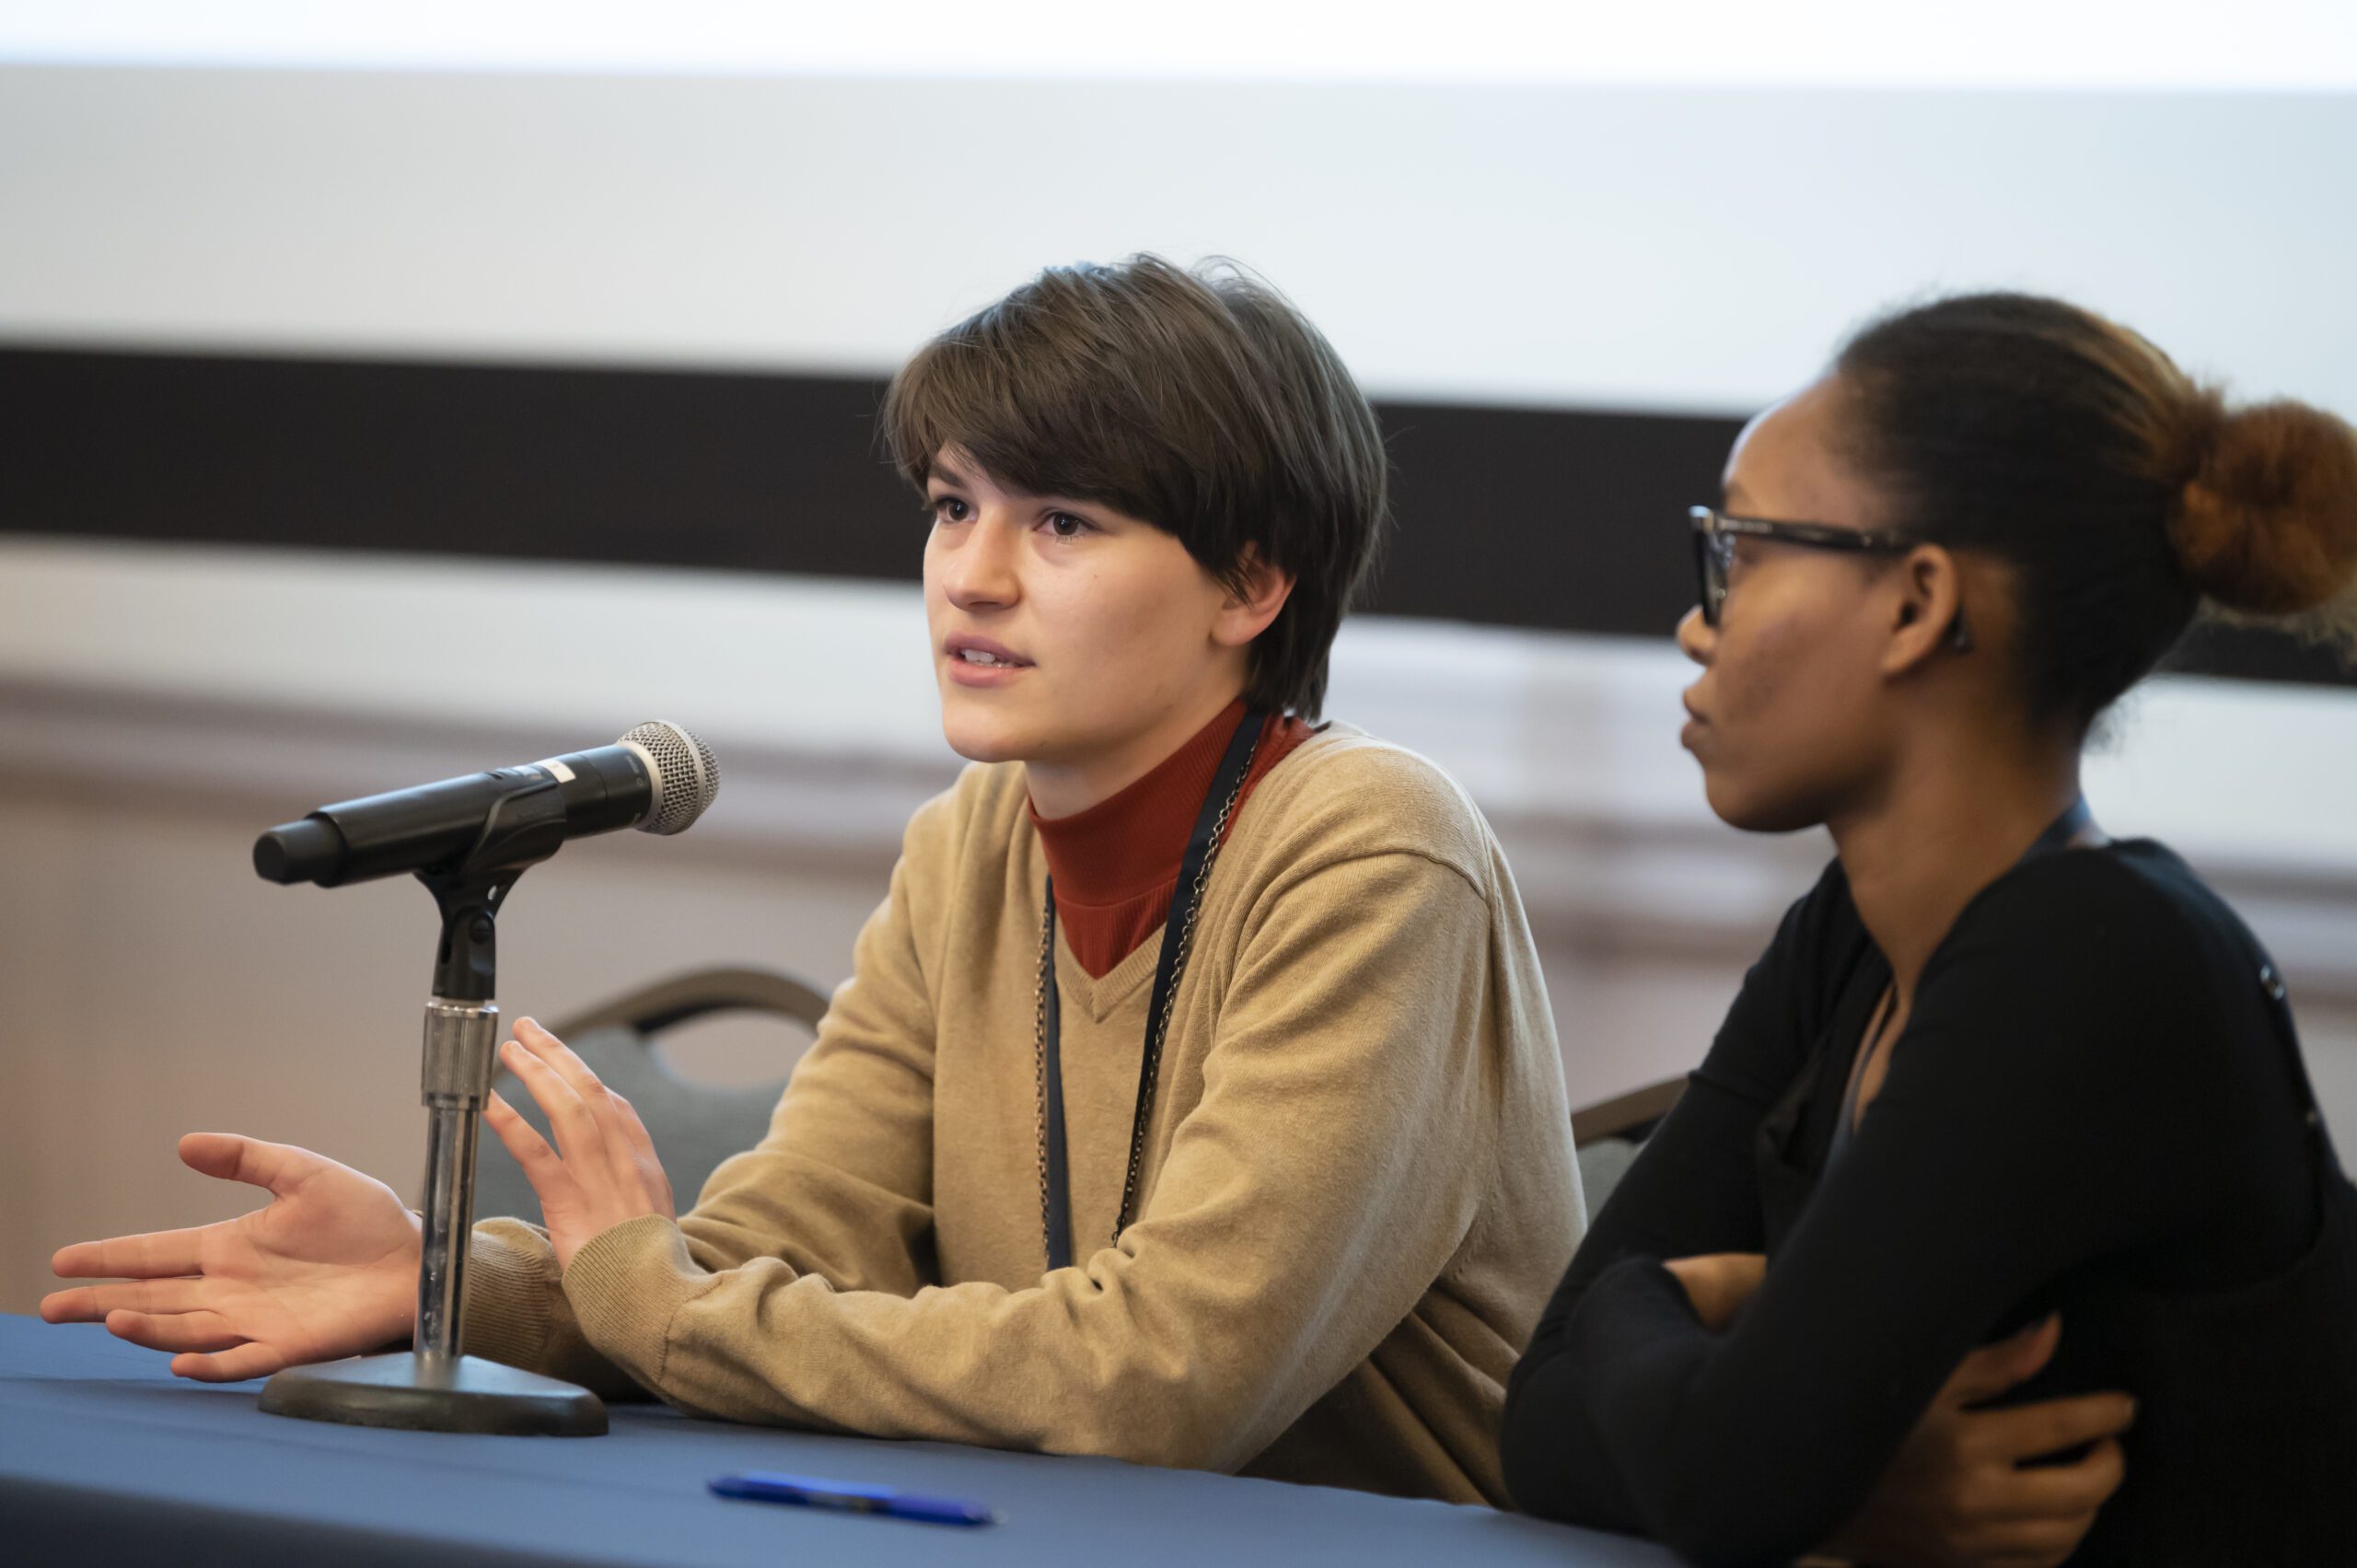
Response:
column 444, row 1394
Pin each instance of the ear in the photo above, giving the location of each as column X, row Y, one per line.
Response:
column 1927, row 599
column 1260, row 591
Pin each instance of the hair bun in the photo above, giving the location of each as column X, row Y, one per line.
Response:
column 2267, row 524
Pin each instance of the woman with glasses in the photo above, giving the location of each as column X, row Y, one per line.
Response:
column 1998, row 1081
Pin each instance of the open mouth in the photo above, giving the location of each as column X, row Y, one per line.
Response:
column 970, row 652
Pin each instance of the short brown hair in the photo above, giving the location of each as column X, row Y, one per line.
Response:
column 1199, row 401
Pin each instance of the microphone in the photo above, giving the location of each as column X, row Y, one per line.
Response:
column 658, row 778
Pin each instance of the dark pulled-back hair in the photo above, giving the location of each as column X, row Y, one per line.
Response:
column 2122, row 494
column 1199, row 401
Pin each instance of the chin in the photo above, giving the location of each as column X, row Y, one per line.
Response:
column 1754, row 811
column 980, row 734
column 980, row 742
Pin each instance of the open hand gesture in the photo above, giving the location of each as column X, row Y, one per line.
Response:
column 603, row 1169
column 328, row 1268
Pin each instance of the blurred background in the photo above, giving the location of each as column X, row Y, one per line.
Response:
column 391, row 392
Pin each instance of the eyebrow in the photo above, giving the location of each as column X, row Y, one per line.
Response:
column 946, row 474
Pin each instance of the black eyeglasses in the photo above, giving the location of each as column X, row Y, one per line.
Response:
column 1716, row 534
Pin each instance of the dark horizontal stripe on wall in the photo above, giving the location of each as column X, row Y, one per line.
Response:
column 1563, row 520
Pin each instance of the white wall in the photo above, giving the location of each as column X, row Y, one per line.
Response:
column 1640, row 246
column 2170, row 44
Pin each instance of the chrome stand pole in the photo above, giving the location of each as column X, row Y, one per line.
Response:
column 462, row 1058
column 435, row 1387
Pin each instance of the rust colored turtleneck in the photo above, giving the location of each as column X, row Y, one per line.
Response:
column 1116, row 864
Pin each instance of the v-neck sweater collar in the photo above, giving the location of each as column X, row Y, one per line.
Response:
column 1116, row 864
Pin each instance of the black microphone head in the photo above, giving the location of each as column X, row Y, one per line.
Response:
column 685, row 776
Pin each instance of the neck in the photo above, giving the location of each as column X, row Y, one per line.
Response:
column 1062, row 786
column 1949, row 822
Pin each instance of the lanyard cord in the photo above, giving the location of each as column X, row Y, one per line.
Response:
column 1178, row 938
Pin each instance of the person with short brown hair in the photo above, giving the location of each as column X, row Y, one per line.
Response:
column 1194, row 1098
column 1202, row 400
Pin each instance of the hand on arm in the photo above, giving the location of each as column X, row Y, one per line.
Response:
column 1957, row 1494
column 1765, row 1438
column 1962, row 1491
column 328, row 1268
column 1718, row 1284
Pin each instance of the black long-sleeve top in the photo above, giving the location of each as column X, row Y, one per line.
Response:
column 2094, row 1107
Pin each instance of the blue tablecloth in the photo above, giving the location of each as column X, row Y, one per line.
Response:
column 105, row 1458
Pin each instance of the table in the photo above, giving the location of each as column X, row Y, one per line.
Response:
column 106, row 1458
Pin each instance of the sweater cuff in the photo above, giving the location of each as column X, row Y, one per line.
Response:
column 511, row 1294
column 626, row 1285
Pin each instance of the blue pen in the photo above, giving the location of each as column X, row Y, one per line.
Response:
column 851, row 1497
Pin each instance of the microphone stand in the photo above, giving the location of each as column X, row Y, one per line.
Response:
column 434, row 1386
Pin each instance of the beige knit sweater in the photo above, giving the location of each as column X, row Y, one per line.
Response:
column 1357, row 1188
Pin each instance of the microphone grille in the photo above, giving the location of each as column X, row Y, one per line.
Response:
column 685, row 776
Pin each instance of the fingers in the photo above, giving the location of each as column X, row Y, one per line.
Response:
column 621, row 1145
column 560, row 1056
column 578, row 1076
column 1990, row 1370
column 86, row 1304
column 69, row 1307
column 558, row 1092
column 2046, row 1544
column 166, row 1253
column 232, row 1157
column 541, row 1165
column 634, row 1130
column 80, row 1305
column 233, row 1365
column 2029, row 1432
column 635, row 1146
column 90, row 1302
column 174, row 1331
column 2035, row 1518
column 153, row 1255
column 2067, row 1492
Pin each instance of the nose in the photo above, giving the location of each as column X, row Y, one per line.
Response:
column 1696, row 639
column 978, row 571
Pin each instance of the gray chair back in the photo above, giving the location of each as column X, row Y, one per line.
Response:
column 1606, row 1137
column 1602, row 1164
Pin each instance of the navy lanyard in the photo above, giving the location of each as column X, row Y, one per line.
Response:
column 1055, row 1178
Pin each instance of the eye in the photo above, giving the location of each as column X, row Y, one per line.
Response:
column 1064, row 525
column 951, row 509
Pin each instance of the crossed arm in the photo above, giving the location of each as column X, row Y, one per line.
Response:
column 1679, row 1388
